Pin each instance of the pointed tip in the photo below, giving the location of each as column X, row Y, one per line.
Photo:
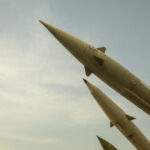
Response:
column 85, row 81
column 42, row 22
column 49, row 27
column 100, row 139
column 89, row 86
column 105, row 144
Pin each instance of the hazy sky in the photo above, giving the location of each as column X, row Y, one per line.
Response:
column 44, row 103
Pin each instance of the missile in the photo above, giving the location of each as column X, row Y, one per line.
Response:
column 118, row 118
column 104, row 67
column 105, row 144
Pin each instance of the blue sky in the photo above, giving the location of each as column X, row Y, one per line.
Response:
column 44, row 102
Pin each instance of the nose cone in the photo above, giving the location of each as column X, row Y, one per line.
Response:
column 52, row 29
column 92, row 88
column 112, row 111
column 98, row 95
column 58, row 34
column 89, row 85
column 71, row 43
column 105, row 144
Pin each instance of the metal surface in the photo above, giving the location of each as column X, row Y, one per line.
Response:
column 105, row 144
column 112, row 73
column 119, row 119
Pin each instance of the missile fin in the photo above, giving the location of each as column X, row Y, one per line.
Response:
column 102, row 49
column 111, row 124
column 100, row 60
column 87, row 71
column 130, row 117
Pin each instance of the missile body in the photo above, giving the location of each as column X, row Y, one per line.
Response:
column 104, row 67
column 106, row 145
column 118, row 118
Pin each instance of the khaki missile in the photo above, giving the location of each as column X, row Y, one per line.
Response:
column 104, row 67
column 105, row 144
column 118, row 118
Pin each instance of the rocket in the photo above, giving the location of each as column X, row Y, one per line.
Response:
column 104, row 67
column 105, row 144
column 119, row 118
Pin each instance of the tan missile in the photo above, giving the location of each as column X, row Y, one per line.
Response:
column 105, row 144
column 108, row 70
column 118, row 118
